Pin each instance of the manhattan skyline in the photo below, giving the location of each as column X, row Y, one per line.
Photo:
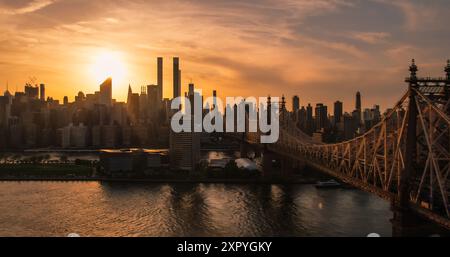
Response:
column 305, row 48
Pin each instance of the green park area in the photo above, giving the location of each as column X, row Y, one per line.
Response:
column 44, row 171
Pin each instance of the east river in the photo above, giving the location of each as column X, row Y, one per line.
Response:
column 144, row 209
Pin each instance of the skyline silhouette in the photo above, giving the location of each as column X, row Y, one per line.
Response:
column 309, row 48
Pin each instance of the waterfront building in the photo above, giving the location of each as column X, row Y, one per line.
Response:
column 132, row 162
column 185, row 146
column 184, row 150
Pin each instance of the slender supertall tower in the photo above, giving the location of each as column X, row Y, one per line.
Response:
column 160, row 79
column 358, row 106
column 176, row 77
column 179, row 81
column 214, row 99
column 295, row 103
column 130, row 94
column 42, row 92
column 358, row 101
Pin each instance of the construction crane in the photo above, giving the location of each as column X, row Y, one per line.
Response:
column 32, row 80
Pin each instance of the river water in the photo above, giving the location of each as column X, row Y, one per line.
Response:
column 130, row 209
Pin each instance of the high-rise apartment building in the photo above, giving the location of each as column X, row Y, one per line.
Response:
column 176, row 77
column 42, row 92
column 338, row 111
column 106, row 92
column 358, row 107
column 185, row 146
column 358, row 101
column 321, row 115
column 160, row 80
column 295, row 103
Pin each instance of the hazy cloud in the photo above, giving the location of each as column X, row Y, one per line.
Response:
column 277, row 46
column 12, row 7
column 371, row 37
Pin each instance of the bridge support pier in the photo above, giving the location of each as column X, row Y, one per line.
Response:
column 249, row 151
column 244, row 149
column 406, row 223
column 269, row 163
column 287, row 166
column 278, row 166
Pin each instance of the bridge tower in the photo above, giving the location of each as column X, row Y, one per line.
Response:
column 403, row 219
column 411, row 142
column 447, row 78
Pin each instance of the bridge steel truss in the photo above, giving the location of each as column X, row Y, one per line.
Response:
column 376, row 161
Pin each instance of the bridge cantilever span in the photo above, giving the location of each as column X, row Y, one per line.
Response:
column 404, row 158
column 376, row 161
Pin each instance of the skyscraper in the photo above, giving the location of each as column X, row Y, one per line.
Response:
column 358, row 107
column 191, row 89
column 309, row 119
column 32, row 91
column 130, row 93
column 358, row 101
column 179, row 81
column 295, row 103
column 176, row 77
column 42, row 92
column 338, row 111
column 215, row 99
column 160, row 79
column 191, row 95
column 185, row 146
column 309, row 113
column 321, row 114
column 106, row 92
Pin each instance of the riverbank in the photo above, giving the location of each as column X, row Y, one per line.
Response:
column 159, row 181
column 86, row 172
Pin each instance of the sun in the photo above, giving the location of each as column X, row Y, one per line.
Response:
column 107, row 64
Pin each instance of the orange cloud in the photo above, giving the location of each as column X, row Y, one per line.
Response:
column 312, row 48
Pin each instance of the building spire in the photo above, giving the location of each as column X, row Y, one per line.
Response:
column 7, row 93
column 413, row 69
column 130, row 93
column 447, row 69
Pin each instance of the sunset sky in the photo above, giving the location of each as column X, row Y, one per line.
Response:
column 322, row 50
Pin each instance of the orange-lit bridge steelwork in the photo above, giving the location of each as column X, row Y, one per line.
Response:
column 405, row 158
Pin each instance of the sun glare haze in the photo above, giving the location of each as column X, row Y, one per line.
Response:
column 106, row 64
